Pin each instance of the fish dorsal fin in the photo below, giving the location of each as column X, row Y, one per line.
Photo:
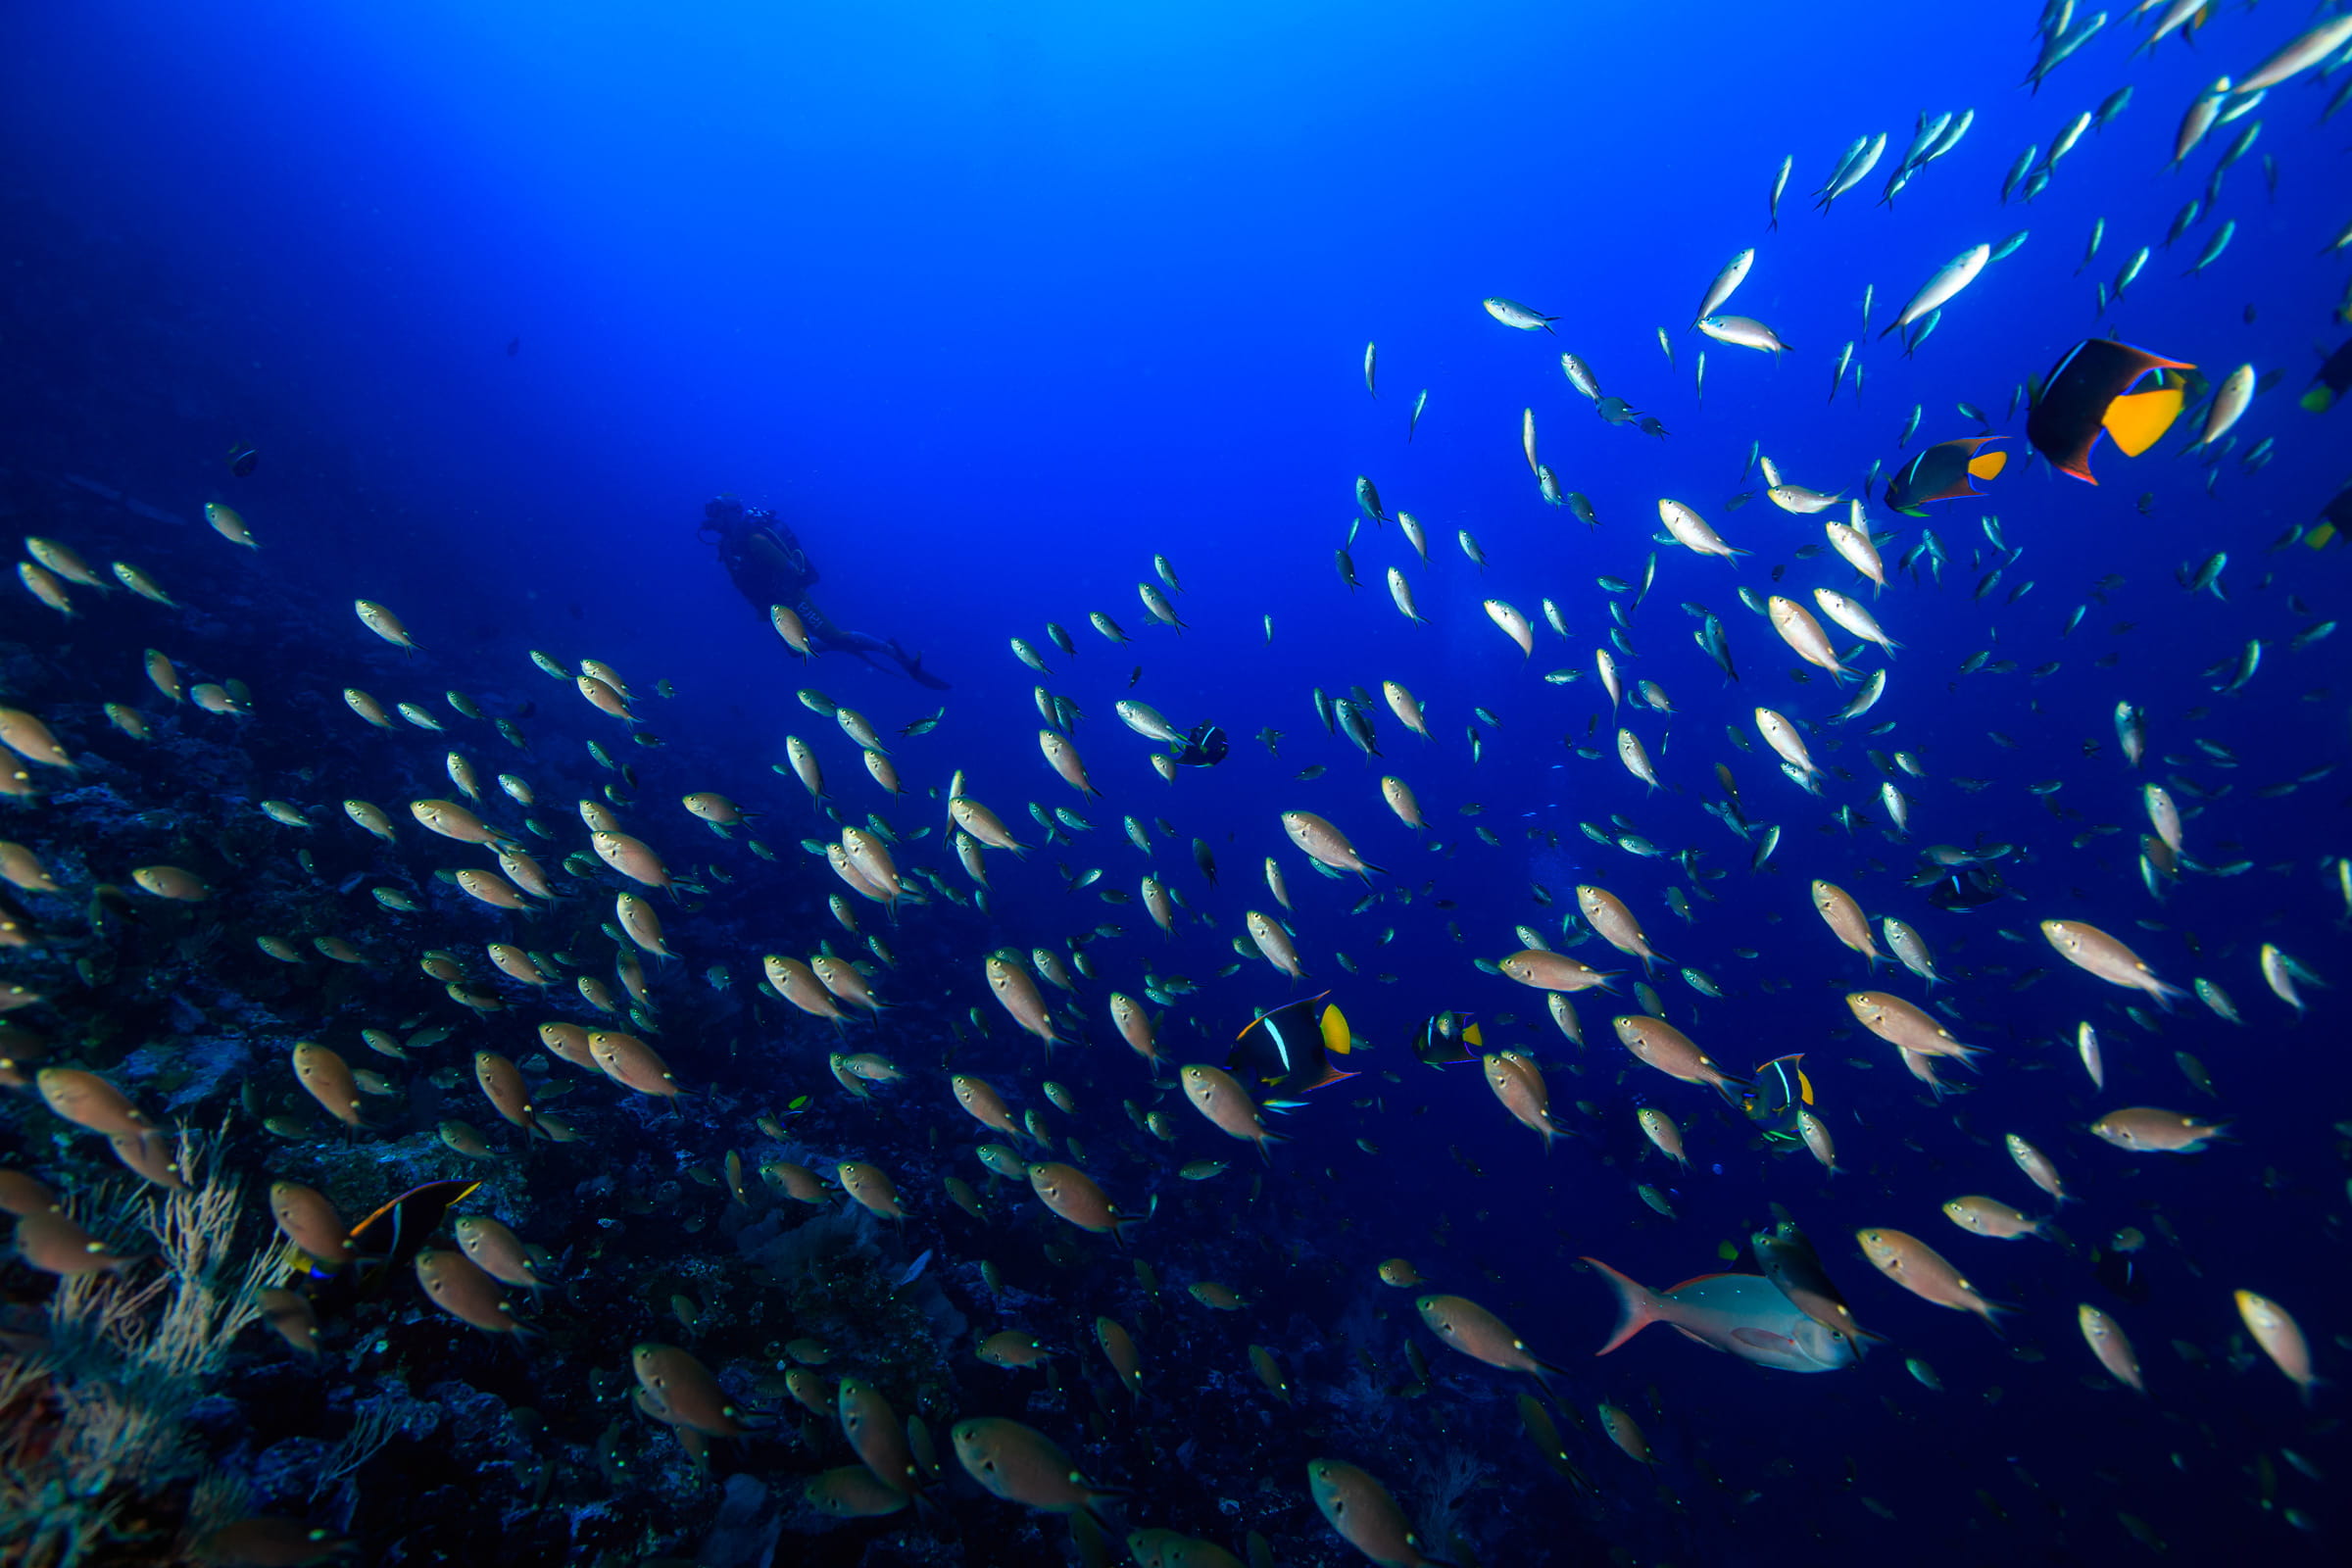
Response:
column 1988, row 466
column 2137, row 420
column 1701, row 1279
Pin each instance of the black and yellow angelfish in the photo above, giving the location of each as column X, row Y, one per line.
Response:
column 1942, row 474
column 1288, row 1049
column 1779, row 1092
column 2090, row 391
column 1447, row 1039
column 2330, row 381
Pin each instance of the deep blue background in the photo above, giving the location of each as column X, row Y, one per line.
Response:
column 994, row 307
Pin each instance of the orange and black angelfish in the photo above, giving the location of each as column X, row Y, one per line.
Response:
column 2090, row 390
column 1942, row 474
column 389, row 1239
column 1288, row 1049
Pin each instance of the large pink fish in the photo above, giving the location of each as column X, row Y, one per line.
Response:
column 1745, row 1315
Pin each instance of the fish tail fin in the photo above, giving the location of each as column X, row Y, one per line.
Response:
column 1732, row 1089
column 1637, row 1303
column 1118, row 1227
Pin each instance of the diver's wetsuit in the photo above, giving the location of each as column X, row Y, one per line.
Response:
column 768, row 566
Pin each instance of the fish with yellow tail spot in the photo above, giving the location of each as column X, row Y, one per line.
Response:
column 1512, row 624
column 1519, row 1085
column 291, row 1315
column 1843, row 916
column 876, row 1435
column 984, row 1104
column 1360, row 1510
column 27, row 736
column 497, row 1251
column 1220, row 1098
column 1926, row 1273
column 54, row 1245
column 1626, row 1434
column 1803, row 634
column 65, row 563
column 88, row 1101
column 453, row 1283
column 871, row 1188
column 1660, row 1128
column 1326, row 844
column 1269, row 1372
column 716, row 809
column 632, row 857
column 1479, row 1335
column 683, row 1393
column 1011, row 1349
column 851, row 1491
column 386, row 625
column 632, row 1063
column 146, row 587
column 327, row 1079
column 1545, row 970
column 1137, row 1027
column 44, row 586
column 1787, row 1256
column 1119, row 1349
column 1019, row 994
column 2146, row 1129
column 2091, row 392
column 1074, row 1196
column 1615, row 924
column 1020, row 1464
column 2093, row 950
column 2282, row 1339
column 2107, row 1342
column 228, row 525
column 307, row 1218
column 1063, row 757
column 1660, row 1045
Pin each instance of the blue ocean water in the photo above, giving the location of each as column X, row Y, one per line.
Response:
column 993, row 307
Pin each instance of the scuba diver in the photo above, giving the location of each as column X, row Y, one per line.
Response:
column 1961, row 880
column 1204, row 746
column 768, row 566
